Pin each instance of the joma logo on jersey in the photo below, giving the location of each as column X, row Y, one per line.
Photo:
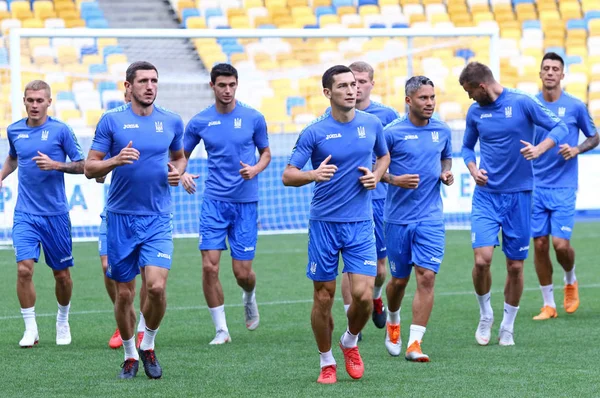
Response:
column 361, row 132
column 45, row 135
column 237, row 123
column 435, row 136
column 23, row 136
column 214, row 123
column 130, row 126
column 159, row 127
column 331, row 136
column 485, row 115
column 561, row 111
column 411, row 137
column 508, row 112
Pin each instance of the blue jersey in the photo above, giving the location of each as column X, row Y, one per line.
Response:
column 228, row 139
column 416, row 150
column 351, row 145
column 551, row 170
column 42, row 192
column 499, row 127
column 141, row 188
column 387, row 115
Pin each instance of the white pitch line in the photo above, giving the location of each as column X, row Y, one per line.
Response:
column 281, row 302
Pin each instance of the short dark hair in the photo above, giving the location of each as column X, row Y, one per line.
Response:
column 476, row 73
column 138, row 65
column 415, row 83
column 222, row 70
column 327, row 79
column 553, row 57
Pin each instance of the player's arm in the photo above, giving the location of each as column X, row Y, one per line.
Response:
column 542, row 117
column 191, row 139
column 371, row 177
column 10, row 165
column 447, row 177
column 407, row 181
column 97, row 166
column 468, row 152
column 71, row 147
column 261, row 140
column 177, row 167
column 293, row 176
column 585, row 123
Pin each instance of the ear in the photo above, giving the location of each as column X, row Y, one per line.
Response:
column 327, row 93
column 211, row 84
column 407, row 100
column 126, row 84
column 49, row 101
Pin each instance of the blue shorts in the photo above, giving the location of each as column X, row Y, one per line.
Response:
column 136, row 241
column 356, row 242
column 553, row 212
column 238, row 222
column 53, row 233
column 102, row 237
column 378, row 205
column 509, row 211
column 420, row 243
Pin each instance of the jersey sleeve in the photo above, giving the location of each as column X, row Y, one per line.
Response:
column 261, row 136
column 543, row 117
column 303, row 149
column 177, row 142
column 103, row 137
column 191, row 137
column 469, row 140
column 447, row 151
column 585, row 121
column 71, row 145
column 380, row 148
column 12, row 151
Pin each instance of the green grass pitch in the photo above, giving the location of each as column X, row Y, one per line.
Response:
column 553, row 358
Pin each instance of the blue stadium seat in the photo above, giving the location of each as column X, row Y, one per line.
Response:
column 377, row 26
column 231, row 48
column 573, row 60
column 292, row 102
column 65, row 95
column 89, row 50
column 400, row 25
column 92, row 13
column 212, row 12
column 324, row 11
column 267, row 26
column 532, row 24
column 3, row 56
column 108, row 50
column 97, row 23
column 367, row 3
column 97, row 68
column 189, row 12
column 591, row 15
column 89, row 5
column 342, row 3
column 559, row 50
column 515, row 2
column 465, row 53
column 577, row 24
column 106, row 85
column 315, row 26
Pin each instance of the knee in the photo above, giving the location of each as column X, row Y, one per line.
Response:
column 541, row 244
column 323, row 300
column 63, row 277
column 398, row 283
column 381, row 272
column 125, row 295
column 155, row 289
column 482, row 262
column 242, row 274
column 363, row 298
column 210, row 270
column 426, row 280
column 514, row 268
column 561, row 246
column 24, row 272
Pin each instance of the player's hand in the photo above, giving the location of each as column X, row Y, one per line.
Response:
column 447, row 177
column 173, row 175
column 247, row 172
column 407, row 181
column 368, row 180
column 481, row 177
column 128, row 155
column 187, row 180
column 325, row 170
column 44, row 162
column 530, row 151
column 568, row 152
column 100, row 180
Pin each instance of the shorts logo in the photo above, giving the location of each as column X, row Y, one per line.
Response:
column 383, row 249
column 522, row 249
column 473, row 237
column 435, row 260
column 561, row 111
column 237, row 123
column 435, row 136
column 370, row 262
column 109, row 270
column 508, row 112
column 99, row 245
column 313, row 267
column 164, row 255
column 249, row 249
column 331, row 136
column 62, row 260
column 361, row 132
column 45, row 135
column 158, row 126
column 566, row 229
column 200, row 240
column 393, row 266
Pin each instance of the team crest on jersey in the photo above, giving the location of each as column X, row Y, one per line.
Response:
column 361, row 132
column 45, row 135
column 508, row 112
column 435, row 136
column 237, row 123
column 159, row 127
column 561, row 111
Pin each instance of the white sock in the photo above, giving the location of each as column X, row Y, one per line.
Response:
column 63, row 313
column 29, row 318
column 548, row 295
column 485, row 305
column 218, row 317
column 349, row 340
column 148, row 340
column 377, row 292
column 142, row 323
column 248, row 297
column 416, row 334
column 508, row 321
column 327, row 358
column 393, row 317
column 346, row 306
column 129, row 348
column 570, row 277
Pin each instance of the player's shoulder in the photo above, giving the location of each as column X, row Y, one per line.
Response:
column 244, row 107
column 439, row 124
column 55, row 122
column 521, row 96
column 396, row 123
column 316, row 123
column 167, row 112
column 15, row 126
column 385, row 108
column 114, row 113
column 570, row 99
column 367, row 116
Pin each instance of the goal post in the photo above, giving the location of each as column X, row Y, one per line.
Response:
column 281, row 209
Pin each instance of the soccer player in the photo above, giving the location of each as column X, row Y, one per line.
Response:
column 139, row 137
column 555, row 177
column 340, row 145
column 503, row 121
column 232, row 132
column 363, row 72
column 116, row 341
column 39, row 145
column 421, row 158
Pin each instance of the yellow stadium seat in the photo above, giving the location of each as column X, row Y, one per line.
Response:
column 235, row 12
column 195, row 23
column 44, row 14
column 345, row 10
column 329, row 19
column 577, row 50
column 388, row 2
column 92, row 116
column 266, row 20
column 570, row 14
column 281, row 20
column 368, row 10
column 549, row 16
column 477, row 8
column 89, row 59
column 67, row 55
column 306, row 20
column 67, row 114
column 297, row 3
column 301, row 11
column 74, row 23
column 436, row 18
column 116, row 59
column 102, row 42
column 33, row 23
column 67, row 14
column 239, row 22
column 65, row 6
column 253, row 3
column 414, row 18
column 275, row 3
column 321, row 3
column 594, row 27
column 43, row 5
column 526, row 16
column 483, row 16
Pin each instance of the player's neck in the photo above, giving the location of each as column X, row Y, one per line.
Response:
column 362, row 105
column 496, row 90
column 552, row 94
column 32, row 123
column 141, row 110
column 342, row 116
column 416, row 121
column 225, row 108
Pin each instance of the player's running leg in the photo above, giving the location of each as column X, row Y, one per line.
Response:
column 422, row 306
column 347, row 297
column 125, row 316
column 27, row 297
column 543, row 269
column 246, row 279
column 565, row 255
column 322, row 325
column 395, row 293
column 213, row 293
column 482, row 281
column 115, row 340
column 64, row 289
column 379, row 315
column 141, row 327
